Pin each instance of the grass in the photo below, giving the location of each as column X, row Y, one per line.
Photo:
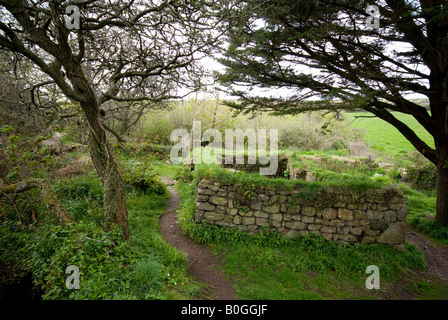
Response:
column 384, row 137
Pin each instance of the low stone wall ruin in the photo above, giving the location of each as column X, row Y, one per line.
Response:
column 337, row 214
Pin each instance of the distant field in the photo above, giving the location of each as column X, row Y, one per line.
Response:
column 384, row 137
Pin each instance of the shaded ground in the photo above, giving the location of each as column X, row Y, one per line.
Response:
column 436, row 273
column 203, row 266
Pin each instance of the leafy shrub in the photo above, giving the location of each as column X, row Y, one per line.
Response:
column 338, row 145
column 82, row 197
column 141, row 177
column 421, row 173
column 184, row 174
column 429, row 225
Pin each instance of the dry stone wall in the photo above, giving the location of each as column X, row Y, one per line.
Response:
column 337, row 214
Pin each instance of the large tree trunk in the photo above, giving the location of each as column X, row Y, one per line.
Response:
column 442, row 194
column 115, row 209
column 104, row 161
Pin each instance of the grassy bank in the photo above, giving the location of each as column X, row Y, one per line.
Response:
column 385, row 138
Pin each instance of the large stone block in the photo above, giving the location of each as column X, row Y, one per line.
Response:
column 308, row 211
column 295, row 225
column 202, row 198
column 378, row 224
column 374, row 215
column 220, row 201
column 260, row 214
column 307, row 219
column 205, row 206
column 205, row 192
column 213, row 215
column 272, row 208
column 247, row 220
column 328, row 229
column 394, row 234
column 345, row 214
column 261, row 222
column 329, row 213
column 390, row 216
column 256, row 205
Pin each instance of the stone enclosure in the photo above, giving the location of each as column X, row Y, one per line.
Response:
column 337, row 214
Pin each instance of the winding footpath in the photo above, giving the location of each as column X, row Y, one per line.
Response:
column 203, row 266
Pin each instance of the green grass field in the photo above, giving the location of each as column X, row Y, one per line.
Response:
column 385, row 138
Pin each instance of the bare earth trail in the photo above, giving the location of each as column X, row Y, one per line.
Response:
column 436, row 255
column 203, row 266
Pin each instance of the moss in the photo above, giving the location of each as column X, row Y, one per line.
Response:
column 308, row 189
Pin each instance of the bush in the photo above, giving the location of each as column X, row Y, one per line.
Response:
column 82, row 197
column 141, row 177
column 421, row 173
column 338, row 145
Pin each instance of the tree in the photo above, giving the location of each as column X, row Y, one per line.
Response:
column 99, row 51
column 354, row 63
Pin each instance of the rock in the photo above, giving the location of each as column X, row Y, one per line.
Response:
column 378, row 224
column 357, row 231
column 308, row 219
column 327, row 236
column 260, row 214
column 394, row 234
column 402, row 214
column 202, row 198
column 345, row 214
column 205, row 206
column 247, row 220
column 374, row 215
column 213, row 215
column 198, row 216
column 277, row 217
column 295, row 225
column 347, row 238
column 256, row 205
column 294, row 209
column 261, row 222
column 309, row 211
column 220, row 201
column 327, row 229
column 314, row 227
column 205, row 192
column 329, row 213
column 390, row 216
column 272, row 208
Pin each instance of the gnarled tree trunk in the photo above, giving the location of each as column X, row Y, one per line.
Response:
column 107, row 168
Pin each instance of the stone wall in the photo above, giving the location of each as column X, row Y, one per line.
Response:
column 282, row 169
column 338, row 214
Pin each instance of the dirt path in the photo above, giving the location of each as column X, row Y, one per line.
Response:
column 203, row 266
column 436, row 255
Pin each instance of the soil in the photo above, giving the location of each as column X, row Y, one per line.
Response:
column 203, row 265
column 436, row 255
